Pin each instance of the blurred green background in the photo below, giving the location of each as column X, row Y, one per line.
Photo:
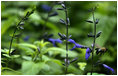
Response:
column 13, row 11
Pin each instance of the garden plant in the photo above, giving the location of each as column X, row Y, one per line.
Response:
column 58, row 38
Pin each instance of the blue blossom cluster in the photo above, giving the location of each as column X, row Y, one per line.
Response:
column 88, row 50
column 109, row 68
column 46, row 8
column 54, row 41
column 76, row 45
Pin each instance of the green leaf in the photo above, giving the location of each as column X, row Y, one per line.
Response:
column 5, row 51
column 54, row 68
column 57, row 61
column 26, row 50
column 31, row 68
column 74, row 70
column 82, row 65
column 6, row 55
column 15, row 56
column 28, row 45
column 62, row 52
column 9, row 71
column 41, row 43
column 27, row 58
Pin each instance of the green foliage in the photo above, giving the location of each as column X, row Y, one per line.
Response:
column 82, row 65
column 7, row 23
column 31, row 68
column 36, row 56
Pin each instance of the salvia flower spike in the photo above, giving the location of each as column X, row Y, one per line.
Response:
column 62, row 36
column 19, row 26
column 53, row 41
column 87, row 55
column 109, row 68
column 76, row 44
column 66, row 23
column 46, row 8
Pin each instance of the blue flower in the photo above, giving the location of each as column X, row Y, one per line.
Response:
column 53, row 41
column 76, row 45
column 72, row 41
column 46, row 8
column 26, row 38
column 109, row 68
column 88, row 51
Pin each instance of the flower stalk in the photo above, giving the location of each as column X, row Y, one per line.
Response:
column 19, row 26
column 93, row 48
column 66, row 14
column 63, row 36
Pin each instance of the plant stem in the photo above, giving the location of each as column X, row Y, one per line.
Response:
column 66, row 69
column 23, row 19
column 12, row 41
column 13, row 36
column 93, row 40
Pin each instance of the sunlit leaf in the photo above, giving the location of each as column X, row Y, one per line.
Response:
column 82, row 65
column 31, row 68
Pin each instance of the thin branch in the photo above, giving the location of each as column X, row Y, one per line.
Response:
column 18, row 25
column 93, row 40
column 66, row 42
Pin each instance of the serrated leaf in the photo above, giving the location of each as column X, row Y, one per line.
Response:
column 31, row 68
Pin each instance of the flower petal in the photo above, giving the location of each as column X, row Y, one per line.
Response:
column 72, row 41
column 46, row 8
column 53, row 41
column 73, row 48
column 109, row 68
column 88, row 51
column 78, row 45
column 87, row 56
column 58, row 40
